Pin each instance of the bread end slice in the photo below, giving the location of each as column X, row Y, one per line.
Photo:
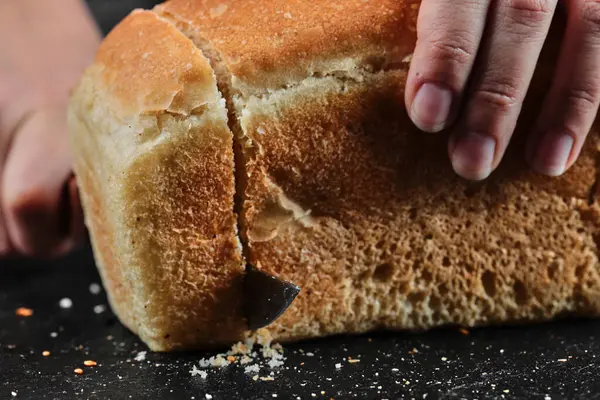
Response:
column 154, row 162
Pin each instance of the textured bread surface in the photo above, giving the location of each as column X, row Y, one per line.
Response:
column 334, row 188
column 154, row 161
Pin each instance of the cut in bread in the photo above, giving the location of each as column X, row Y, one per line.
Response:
column 286, row 118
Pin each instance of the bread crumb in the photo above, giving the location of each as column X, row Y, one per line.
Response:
column 24, row 312
column 309, row 354
column 53, row 334
column 267, row 378
column 245, row 360
column 95, row 288
column 78, row 371
column 252, row 368
column 562, row 360
column 141, row 356
column 208, row 396
column 464, row 331
column 353, row 360
column 338, row 365
column 99, row 309
column 413, row 351
column 13, row 394
column 274, row 363
column 90, row 363
column 444, row 359
column 198, row 372
column 65, row 303
column 45, row 353
column 255, row 378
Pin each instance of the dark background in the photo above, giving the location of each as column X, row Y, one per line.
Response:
column 547, row 361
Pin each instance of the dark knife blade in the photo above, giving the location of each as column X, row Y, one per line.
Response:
column 266, row 297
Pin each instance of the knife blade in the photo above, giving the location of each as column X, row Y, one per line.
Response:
column 266, row 297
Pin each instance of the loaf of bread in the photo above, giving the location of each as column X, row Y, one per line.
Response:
column 209, row 134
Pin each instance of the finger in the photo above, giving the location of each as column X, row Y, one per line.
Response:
column 36, row 170
column 72, row 224
column 448, row 36
column 572, row 103
column 8, row 126
column 517, row 31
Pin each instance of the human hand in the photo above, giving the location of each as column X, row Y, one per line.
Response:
column 495, row 45
column 46, row 46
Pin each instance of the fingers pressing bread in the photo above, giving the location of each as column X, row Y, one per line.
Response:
column 473, row 65
column 572, row 104
column 448, row 36
column 507, row 60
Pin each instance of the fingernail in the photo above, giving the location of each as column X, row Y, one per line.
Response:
column 431, row 107
column 473, row 156
column 552, row 154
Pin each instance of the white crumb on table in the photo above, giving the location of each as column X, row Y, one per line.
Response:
column 99, row 309
column 95, row 288
column 252, row 368
column 65, row 303
column 198, row 372
column 141, row 356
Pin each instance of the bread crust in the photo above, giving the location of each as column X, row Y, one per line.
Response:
column 154, row 163
column 268, row 44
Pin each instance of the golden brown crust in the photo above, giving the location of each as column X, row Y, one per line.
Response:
column 268, row 44
column 151, row 67
column 155, row 166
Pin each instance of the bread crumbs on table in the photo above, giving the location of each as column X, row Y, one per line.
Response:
column 65, row 303
column 78, row 371
column 45, row 353
column 90, row 363
column 562, row 360
column 353, row 360
column 338, row 365
column 255, row 378
column 267, row 378
column 413, row 351
column 24, row 312
column 464, row 331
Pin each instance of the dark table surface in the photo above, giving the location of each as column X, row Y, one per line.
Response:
column 556, row 360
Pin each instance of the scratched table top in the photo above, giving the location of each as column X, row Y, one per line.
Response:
column 71, row 321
